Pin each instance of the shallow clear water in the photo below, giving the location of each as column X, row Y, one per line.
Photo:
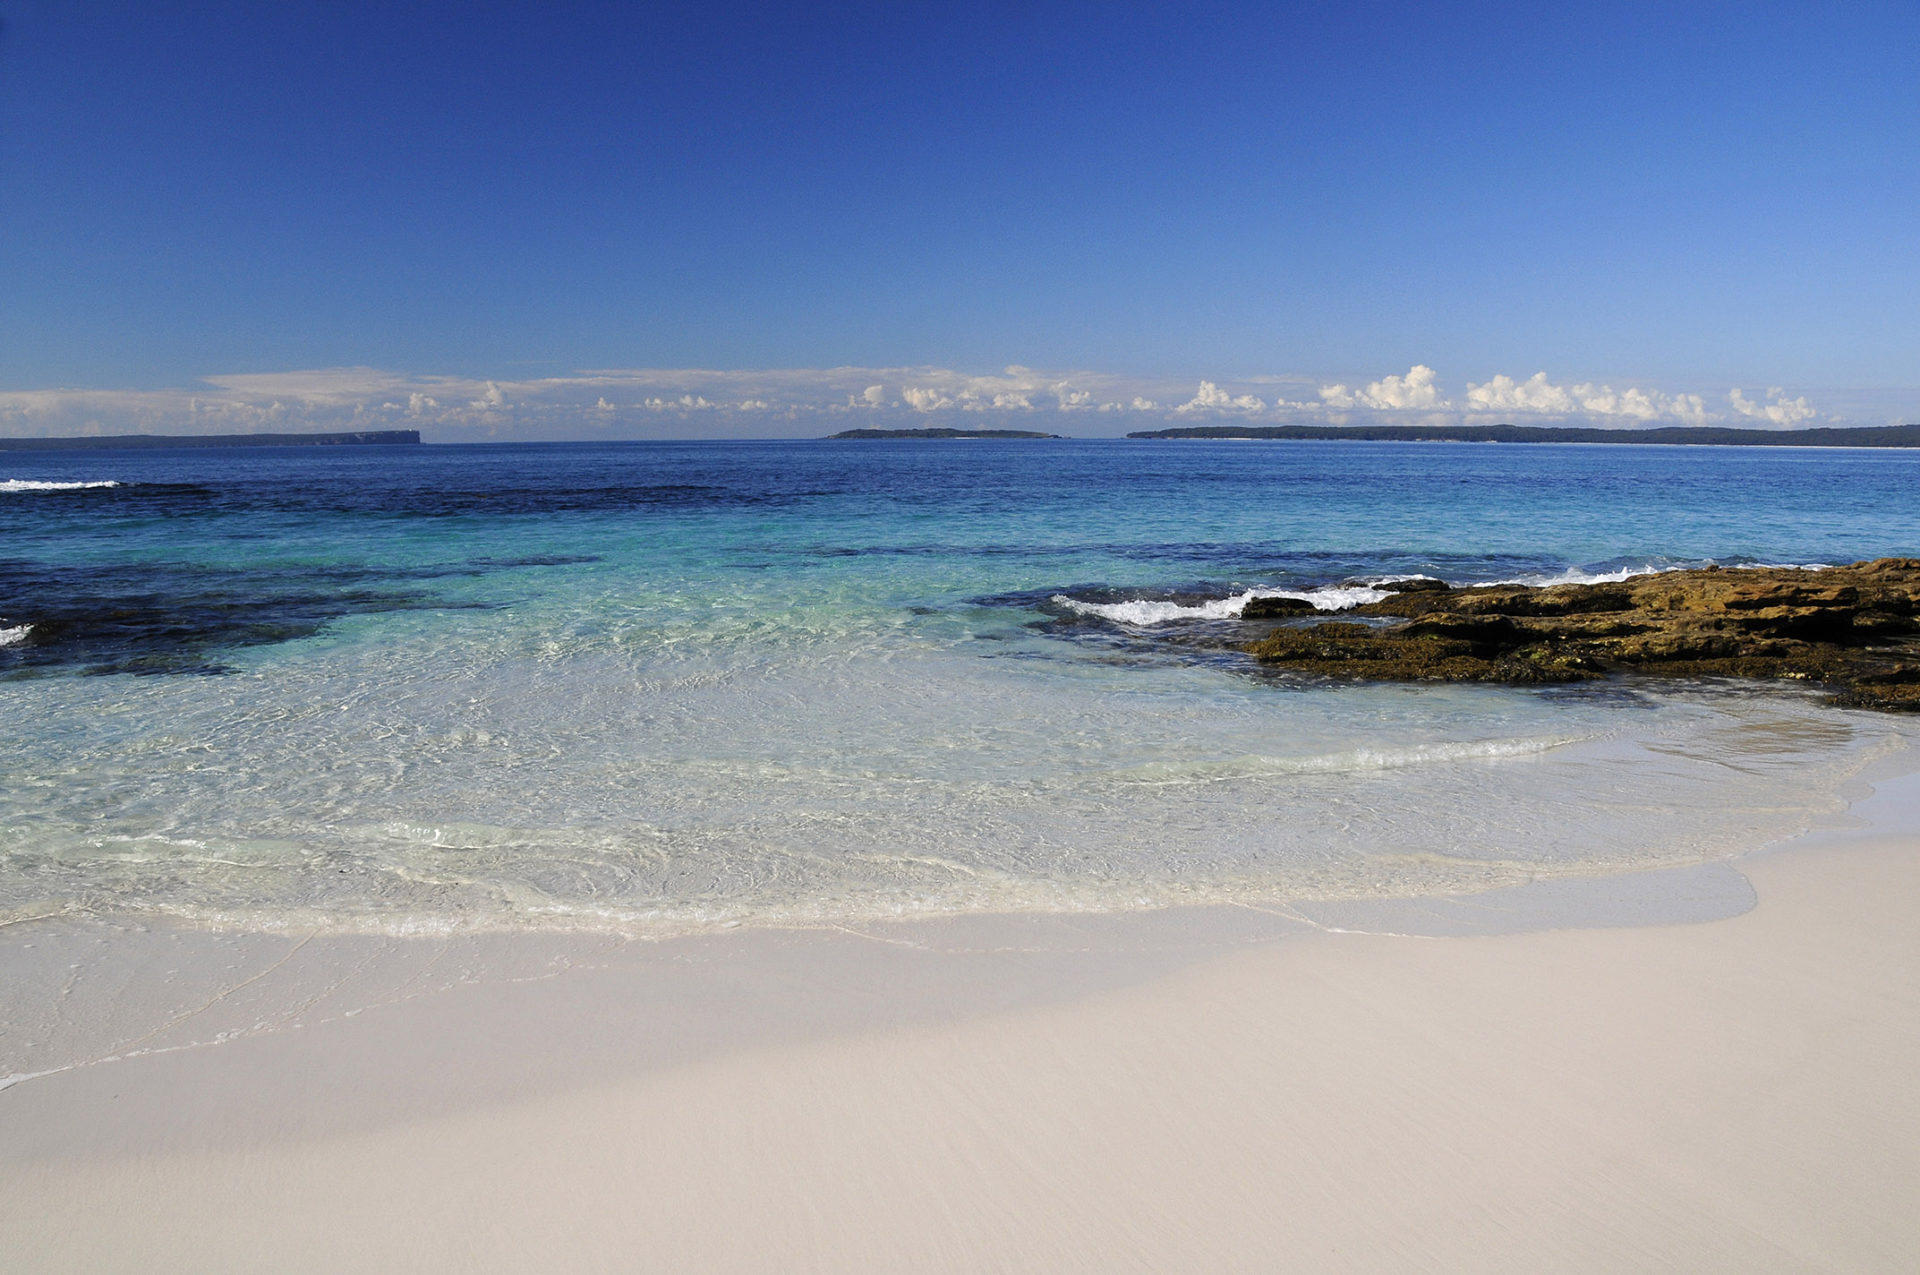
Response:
column 651, row 687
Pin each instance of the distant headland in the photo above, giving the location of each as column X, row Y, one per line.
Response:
column 1695, row 435
column 942, row 433
column 132, row 442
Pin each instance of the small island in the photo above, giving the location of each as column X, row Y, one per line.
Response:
column 1681, row 435
column 139, row 442
column 941, row 433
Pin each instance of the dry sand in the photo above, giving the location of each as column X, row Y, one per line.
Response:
column 1733, row 1095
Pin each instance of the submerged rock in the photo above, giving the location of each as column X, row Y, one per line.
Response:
column 1854, row 629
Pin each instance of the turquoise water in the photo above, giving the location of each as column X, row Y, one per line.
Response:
column 655, row 687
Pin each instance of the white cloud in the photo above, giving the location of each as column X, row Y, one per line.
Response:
column 1632, row 402
column 1778, row 408
column 1208, row 395
column 1211, row 398
column 1504, row 396
column 682, row 402
column 922, row 399
column 1690, row 409
column 1416, row 391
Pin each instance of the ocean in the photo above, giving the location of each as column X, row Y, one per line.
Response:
column 655, row 688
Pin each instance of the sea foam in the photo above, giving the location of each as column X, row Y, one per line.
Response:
column 1146, row 612
column 1577, row 575
column 1142, row 612
column 34, row 484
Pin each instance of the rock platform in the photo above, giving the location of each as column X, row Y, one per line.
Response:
column 1853, row 629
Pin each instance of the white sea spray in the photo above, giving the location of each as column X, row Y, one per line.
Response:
column 1144, row 612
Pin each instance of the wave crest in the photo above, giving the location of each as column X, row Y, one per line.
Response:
column 34, row 484
column 1144, row 612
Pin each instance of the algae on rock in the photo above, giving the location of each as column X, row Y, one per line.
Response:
column 1854, row 629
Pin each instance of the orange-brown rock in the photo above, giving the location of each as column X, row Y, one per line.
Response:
column 1853, row 629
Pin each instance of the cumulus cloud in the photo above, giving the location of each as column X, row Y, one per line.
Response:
column 1416, row 391
column 1211, row 398
column 665, row 402
column 923, row 398
column 1778, row 408
column 1015, row 390
column 1504, row 396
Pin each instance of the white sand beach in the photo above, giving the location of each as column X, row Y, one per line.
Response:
column 1729, row 1095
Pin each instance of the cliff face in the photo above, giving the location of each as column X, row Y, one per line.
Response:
column 1854, row 629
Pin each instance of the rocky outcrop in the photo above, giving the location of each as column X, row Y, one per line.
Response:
column 1854, row 629
column 1271, row 608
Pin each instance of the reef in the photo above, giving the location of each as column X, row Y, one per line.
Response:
column 1854, row 630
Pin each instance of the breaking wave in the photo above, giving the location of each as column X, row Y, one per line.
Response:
column 1147, row 612
column 1614, row 575
column 1143, row 612
column 34, row 484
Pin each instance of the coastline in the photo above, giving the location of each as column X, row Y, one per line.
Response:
column 1153, row 1091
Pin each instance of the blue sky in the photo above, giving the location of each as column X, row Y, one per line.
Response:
column 577, row 220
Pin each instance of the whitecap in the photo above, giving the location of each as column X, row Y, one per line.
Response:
column 1143, row 612
column 33, row 484
column 1575, row 575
